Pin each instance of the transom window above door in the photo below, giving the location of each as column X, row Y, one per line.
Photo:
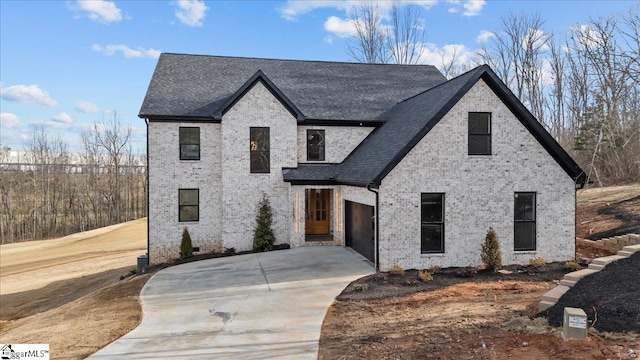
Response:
column 315, row 145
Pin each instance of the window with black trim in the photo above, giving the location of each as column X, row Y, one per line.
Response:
column 315, row 145
column 259, row 150
column 188, row 205
column 479, row 133
column 189, row 143
column 524, row 221
column 432, row 223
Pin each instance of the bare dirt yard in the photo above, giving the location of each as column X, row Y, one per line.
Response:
column 74, row 293
column 492, row 316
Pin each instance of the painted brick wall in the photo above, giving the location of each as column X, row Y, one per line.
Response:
column 167, row 174
column 242, row 190
column 340, row 141
column 479, row 191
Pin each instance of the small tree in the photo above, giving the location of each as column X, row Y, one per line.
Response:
column 186, row 248
column 491, row 254
column 263, row 237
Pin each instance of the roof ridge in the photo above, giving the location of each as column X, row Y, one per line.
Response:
column 477, row 68
column 297, row 60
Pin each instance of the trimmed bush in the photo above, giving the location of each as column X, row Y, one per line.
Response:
column 491, row 254
column 186, row 248
column 263, row 237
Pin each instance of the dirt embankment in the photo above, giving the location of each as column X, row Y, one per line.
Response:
column 68, row 292
column 607, row 212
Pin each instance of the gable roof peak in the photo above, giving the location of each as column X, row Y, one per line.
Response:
column 259, row 76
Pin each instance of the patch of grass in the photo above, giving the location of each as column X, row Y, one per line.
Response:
column 425, row 275
column 434, row 269
column 396, row 269
column 537, row 262
column 572, row 266
column 360, row 287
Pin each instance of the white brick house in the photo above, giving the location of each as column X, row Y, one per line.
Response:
column 392, row 160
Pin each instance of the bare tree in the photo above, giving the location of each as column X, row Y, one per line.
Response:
column 399, row 40
column 113, row 139
column 517, row 53
column 406, row 37
column 370, row 44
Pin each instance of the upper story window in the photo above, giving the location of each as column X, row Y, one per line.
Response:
column 524, row 219
column 259, row 147
column 432, row 223
column 315, row 145
column 479, row 133
column 188, row 205
column 189, row 143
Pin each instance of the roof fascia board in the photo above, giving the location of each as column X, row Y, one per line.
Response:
column 171, row 118
column 335, row 122
column 248, row 85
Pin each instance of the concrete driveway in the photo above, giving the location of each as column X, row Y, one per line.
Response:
column 255, row 306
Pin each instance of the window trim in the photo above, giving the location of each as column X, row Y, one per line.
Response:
column 441, row 223
column 268, row 151
column 180, row 206
column 180, row 144
column 488, row 135
column 324, row 146
column 519, row 221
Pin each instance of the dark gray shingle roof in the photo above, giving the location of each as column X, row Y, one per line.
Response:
column 410, row 120
column 197, row 85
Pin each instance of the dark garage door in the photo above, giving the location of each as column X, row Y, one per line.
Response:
column 359, row 231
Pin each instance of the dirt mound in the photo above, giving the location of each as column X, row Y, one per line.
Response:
column 610, row 297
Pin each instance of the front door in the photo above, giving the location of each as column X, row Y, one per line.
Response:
column 318, row 213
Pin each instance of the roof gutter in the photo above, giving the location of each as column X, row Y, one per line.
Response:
column 376, row 222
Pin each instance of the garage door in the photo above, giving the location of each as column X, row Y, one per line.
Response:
column 359, row 228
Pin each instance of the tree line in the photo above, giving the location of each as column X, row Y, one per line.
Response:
column 55, row 193
column 583, row 86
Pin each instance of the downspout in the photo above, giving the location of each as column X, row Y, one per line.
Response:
column 146, row 121
column 377, row 257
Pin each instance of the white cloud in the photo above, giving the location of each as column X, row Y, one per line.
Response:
column 128, row 52
column 27, row 94
column 10, row 121
column 473, row 7
column 340, row 27
column 484, row 36
column 537, row 39
column 191, row 12
column 292, row 9
column 585, row 35
column 62, row 118
column 100, row 10
column 461, row 57
column 86, row 107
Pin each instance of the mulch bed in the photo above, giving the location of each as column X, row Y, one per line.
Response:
column 384, row 285
column 610, row 297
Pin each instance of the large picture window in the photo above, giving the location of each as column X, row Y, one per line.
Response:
column 524, row 228
column 189, row 143
column 479, row 133
column 188, row 205
column 315, row 145
column 432, row 224
column 259, row 149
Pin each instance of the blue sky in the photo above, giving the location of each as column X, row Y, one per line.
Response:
column 68, row 64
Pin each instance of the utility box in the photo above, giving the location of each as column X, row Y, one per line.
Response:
column 574, row 325
column 143, row 261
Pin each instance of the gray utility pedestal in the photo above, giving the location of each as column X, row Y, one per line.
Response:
column 574, row 324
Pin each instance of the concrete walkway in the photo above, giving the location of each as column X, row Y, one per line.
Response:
column 255, row 306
